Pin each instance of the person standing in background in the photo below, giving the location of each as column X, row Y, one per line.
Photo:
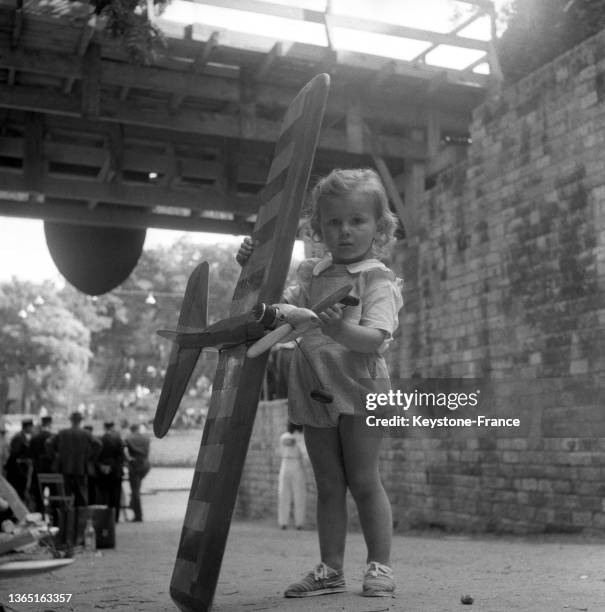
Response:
column 137, row 454
column 73, row 448
column 91, row 466
column 109, row 469
column 292, row 486
column 42, row 459
column 19, row 465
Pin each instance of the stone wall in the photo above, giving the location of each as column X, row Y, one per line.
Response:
column 505, row 281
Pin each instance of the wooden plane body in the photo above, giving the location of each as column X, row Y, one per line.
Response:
column 228, row 332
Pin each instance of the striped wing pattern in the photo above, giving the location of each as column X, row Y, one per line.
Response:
column 237, row 382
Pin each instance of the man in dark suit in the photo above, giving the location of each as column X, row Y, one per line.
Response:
column 73, row 448
column 19, row 465
column 109, row 469
column 137, row 449
column 42, row 458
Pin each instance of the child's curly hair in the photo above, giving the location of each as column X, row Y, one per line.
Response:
column 341, row 183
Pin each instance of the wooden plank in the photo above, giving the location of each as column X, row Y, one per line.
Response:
column 88, row 31
column 187, row 122
column 146, row 196
column 91, row 81
column 95, row 157
column 405, row 213
column 386, row 71
column 197, row 66
column 18, row 18
column 344, row 21
column 33, row 154
column 78, row 213
column 269, row 61
column 238, row 379
column 433, row 134
column 354, row 124
column 268, row 8
column 116, row 152
column 184, row 83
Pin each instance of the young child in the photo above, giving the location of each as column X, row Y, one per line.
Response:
column 350, row 215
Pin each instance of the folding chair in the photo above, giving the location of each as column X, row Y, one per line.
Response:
column 58, row 506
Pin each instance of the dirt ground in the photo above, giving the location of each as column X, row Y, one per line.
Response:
column 537, row 574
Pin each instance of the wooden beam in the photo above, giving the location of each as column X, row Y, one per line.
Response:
column 268, row 8
column 18, row 18
column 124, row 76
column 148, row 196
column 189, row 122
column 116, row 152
column 91, row 81
column 247, row 107
column 33, row 155
column 172, row 170
column 269, row 61
column 233, row 44
column 380, row 27
column 198, row 65
column 345, row 21
column 421, row 57
column 354, row 124
column 115, row 217
column 433, row 133
column 386, row 71
column 404, row 213
column 95, row 157
column 436, row 84
column 86, row 35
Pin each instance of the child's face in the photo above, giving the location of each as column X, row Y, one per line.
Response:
column 348, row 227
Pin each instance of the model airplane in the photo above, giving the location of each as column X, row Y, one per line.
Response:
column 192, row 335
column 238, row 379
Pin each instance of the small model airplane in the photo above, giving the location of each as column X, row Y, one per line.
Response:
column 193, row 334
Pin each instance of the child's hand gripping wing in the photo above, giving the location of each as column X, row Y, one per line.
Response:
column 299, row 320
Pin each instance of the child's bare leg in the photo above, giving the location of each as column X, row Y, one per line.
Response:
column 360, row 450
column 325, row 453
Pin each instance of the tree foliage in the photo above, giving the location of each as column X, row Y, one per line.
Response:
column 163, row 272
column 64, row 331
column 540, row 30
column 45, row 339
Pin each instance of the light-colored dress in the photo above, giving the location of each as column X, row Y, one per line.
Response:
column 347, row 375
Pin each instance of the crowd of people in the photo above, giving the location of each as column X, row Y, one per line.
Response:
column 93, row 467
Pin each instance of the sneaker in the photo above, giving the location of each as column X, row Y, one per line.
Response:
column 378, row 581
column 323, row 580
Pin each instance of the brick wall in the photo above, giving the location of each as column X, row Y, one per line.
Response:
column 505, row 280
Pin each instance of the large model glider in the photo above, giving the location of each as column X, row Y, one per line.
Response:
column 238, row 379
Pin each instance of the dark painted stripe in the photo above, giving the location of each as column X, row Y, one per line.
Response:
column 190, row 544
column 286, row 137
column 247, row 285
column 274, row 187
column 205, row 489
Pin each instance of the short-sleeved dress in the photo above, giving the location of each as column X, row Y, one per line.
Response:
column 347, row 375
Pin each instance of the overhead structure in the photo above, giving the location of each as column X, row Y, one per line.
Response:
column 185, row 142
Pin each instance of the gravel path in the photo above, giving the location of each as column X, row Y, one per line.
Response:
column 558, row 573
